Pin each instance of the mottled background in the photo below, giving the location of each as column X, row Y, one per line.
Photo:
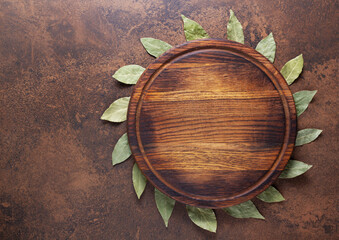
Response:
column 56, row 62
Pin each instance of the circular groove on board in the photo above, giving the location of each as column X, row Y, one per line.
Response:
column 211, row 123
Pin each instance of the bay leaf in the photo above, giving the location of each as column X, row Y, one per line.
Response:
column 302, row 99
column 271, row 195
column 267, row 47
column 164, row 204
column 139, row 180
column 306, row 136
column 121, row 150
column 244, row 210
column 203, row 217
column 234, row 29
column 294, row 169
column 155, row 47
column 117, row 111
column 292, row 69
column 193, row 30
column 129, row 74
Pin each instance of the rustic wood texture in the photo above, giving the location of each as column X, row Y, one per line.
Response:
column 211, row 123
column 57, row 59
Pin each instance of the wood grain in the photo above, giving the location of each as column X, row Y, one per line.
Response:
column 211, row 123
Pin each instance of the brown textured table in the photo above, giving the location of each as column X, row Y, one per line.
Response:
column 56, row 62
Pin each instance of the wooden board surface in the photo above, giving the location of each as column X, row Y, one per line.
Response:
column 211, row 123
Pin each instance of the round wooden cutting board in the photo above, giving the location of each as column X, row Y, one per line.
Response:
column 211, row 123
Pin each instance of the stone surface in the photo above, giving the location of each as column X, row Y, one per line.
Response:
column 56, row 62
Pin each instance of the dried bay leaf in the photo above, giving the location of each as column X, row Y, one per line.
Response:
column 164, row 204
column 203, row 217
column 129, row 74
column 121, row 150
column 306, row 136
column 234, row 29
column 267, row 47
column 155, row 47
column 302, row 100
column 294, row 169
column 244, row 210
column 193, row 30
column 139, row 180
column 292, row 69
column 271, row 195
column 117, row 111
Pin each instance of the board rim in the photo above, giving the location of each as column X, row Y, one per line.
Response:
column 255, row 58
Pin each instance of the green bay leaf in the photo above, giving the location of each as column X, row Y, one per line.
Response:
column 164, row 204
column 244, row 210
column 267, row 47
column 139, row 180
column 306, row 136
column 129, row 74
column 121, row 150
column 294, row 169
column 302, row 99
column 203, row 217
column 271, row 195
column 193, row 30
column 155, row 47
column 292, row 69
column 117, row 111
column 234, row 29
